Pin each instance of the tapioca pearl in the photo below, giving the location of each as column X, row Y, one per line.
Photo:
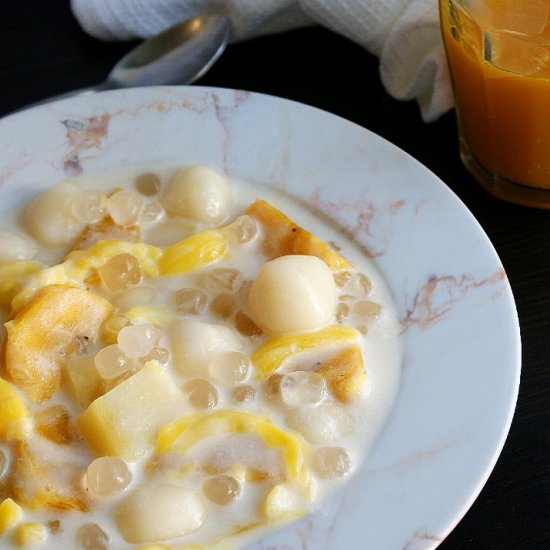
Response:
column 107, row 476
column 243, row 230
column 49, row 218
column 14, row 248
column 301, row 388
column 198, row 192
column 342, row 312
column 272, row 386
column 137, row 341
column 362, row 284
column 224, row 305
column 244, row 394
column 292, row 294
column 246, row 326
column 366, row 310
column 89, row 205
column 231, row 367
column 223, row 279
column 221, row 490
column 190, row 301
column 90, row 536
column 201, row 393
column 111, row 362
column 147, row 184
column 342, row 278
column 151, row 212
column 124, row 207
column 243, row 292
column 120, row 272
column 331, row 462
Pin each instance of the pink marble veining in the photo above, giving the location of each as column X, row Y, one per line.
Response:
column 436, row 298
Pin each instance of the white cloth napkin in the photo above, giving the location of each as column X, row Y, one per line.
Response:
column 404, row 34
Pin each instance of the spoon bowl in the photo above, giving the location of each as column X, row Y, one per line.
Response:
column 178, row 55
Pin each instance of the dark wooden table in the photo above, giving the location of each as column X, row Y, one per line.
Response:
column 43, row 52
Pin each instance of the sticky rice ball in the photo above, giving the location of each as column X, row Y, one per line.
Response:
column 293, row 294
column 198, row 192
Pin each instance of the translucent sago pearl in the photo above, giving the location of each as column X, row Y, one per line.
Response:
column 223, row 279
column 124, row 207
column 202, row 394
column 137, row 341
column 190, row 301
column 365, row 309
column 120, row 272
column 90, row 536
column 224, row 305
column 243, row 230
column 301, row 388
column 231, row 367
column 151, row 212
column 88, row 206
column 147, row 184
column 244, row 394
column 111, row 362
column 221, row 490
column 362, row 284
column 107, row 476
column 332, row 462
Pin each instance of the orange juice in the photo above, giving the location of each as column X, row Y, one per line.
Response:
column 499, row 58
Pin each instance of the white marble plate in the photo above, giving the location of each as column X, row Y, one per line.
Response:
column 461, row 337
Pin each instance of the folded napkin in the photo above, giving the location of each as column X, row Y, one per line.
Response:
column 404, row 34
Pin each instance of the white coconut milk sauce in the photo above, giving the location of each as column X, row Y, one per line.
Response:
column 380, row 346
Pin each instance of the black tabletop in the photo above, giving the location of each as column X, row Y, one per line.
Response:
column 43, row 52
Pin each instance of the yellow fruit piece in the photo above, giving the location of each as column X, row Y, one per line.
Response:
column 281, row 236
column 12, row 277
column 284, row 501
column 35, row 281
column 271, row 354
column 125, row 421
column 82, row 380
column 80, row 263
column 58, row 321
column 10, row 512
column 47, row 475
column 54, row 423
column 194, row 252
column 345, row 373
column 80, row 267
column 29, row 533
column 15, row 418
column 183, row 433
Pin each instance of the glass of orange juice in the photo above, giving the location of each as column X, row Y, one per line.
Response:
column 499, row 59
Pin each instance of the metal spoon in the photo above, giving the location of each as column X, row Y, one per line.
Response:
column 178, row 55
